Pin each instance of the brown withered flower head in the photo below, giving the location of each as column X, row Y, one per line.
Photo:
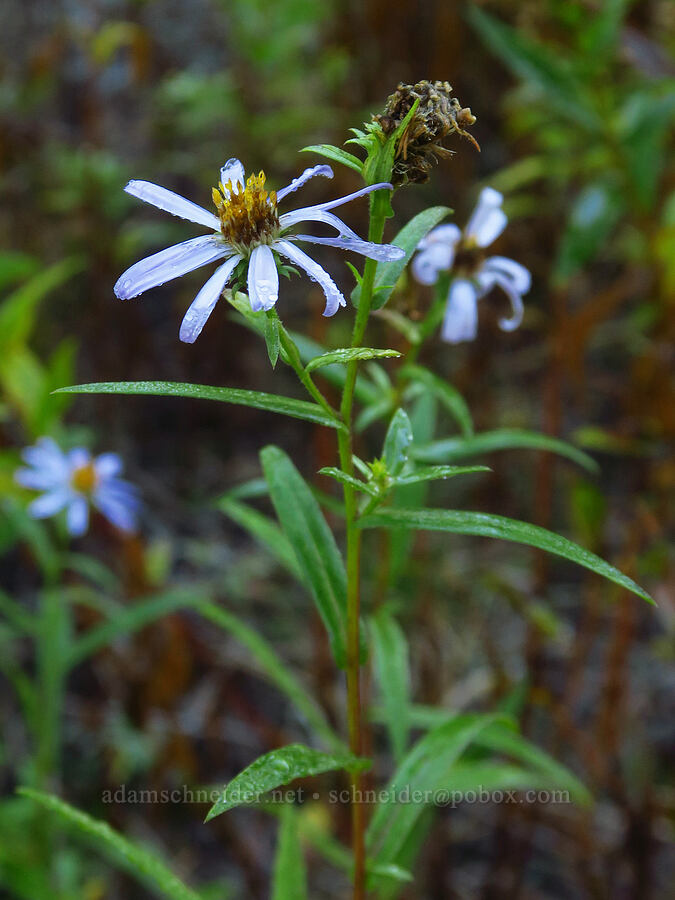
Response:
column 438, row 115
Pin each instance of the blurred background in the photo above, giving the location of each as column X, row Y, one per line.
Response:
column 575, row 102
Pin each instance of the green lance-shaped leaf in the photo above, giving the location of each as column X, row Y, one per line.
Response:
column 388, row 273
column 426, row 768
column 140, row 862
column 336, row 154
column 485, row 525
column 348, row 355
column 392, row 672
column 397, row 442
column 448, row 395
column 366, row 487
column 289, row 881
column 453, row 449
column 435, row 473
column 263, row 529
column 272, row 336
column 278, row 768
column 287, row 406
column 312, row 540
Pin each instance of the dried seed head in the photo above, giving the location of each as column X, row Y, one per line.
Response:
column 438, row 115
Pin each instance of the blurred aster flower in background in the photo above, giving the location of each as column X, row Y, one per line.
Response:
column 475, row 274
column 74, row 481
column 248, row 230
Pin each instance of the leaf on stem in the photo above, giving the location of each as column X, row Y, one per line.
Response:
column 348, row 355
column 277, row 768
column 397, row 442
column 336, row 154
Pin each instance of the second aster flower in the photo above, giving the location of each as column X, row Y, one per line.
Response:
column 247, row 229
column 446, row 248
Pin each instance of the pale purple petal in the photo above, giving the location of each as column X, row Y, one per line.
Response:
column 442, row 234
column 51, row 503
column 334, row 298
column 47, row 455
column 172, row 203
column 518, row 275
column 311, row 214
column 170, row 263
column 203, row 304
column 38, row 479
column 384, row 252
column 488, row 220
column 510, row 324
column 263, row 279
column 78, row 457
column 312, row 172
column 436, row 258
column 77, row 517
column 119, row 507
column 233, row 171
column 107, row 465
column 461, row 313
column 330, row 204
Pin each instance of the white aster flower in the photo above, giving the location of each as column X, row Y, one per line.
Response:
column 247, row 227
column 446, row 248
column 74, row 481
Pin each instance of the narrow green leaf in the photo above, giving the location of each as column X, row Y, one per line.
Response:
column 137, row 860
column 272, row 339
column 348, row 355
column 453, row 449
column 287, row 406
column 364, row 486
column 276, row 670
column 434, row 473
column 130, row 619
column 336, row 154
column 312, row 540
column 426, row 768
column 289, row 881
column 277, row 768
column 397, row 442
column 364, row 391
column 392, row 672
column 388, row 273
column 485, row 525
column 448, row 395
column 263, row 529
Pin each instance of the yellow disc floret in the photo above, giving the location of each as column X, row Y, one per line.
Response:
column 85, row 478
column 248, row 215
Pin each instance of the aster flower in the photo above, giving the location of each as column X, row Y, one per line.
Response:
column 246, row 227
column 74, row 481
column 475, row 274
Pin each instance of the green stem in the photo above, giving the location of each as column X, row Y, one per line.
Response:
column 354, row 712
column 305, row 378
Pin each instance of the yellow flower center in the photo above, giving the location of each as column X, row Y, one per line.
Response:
column 84, row 479
column 248, row 215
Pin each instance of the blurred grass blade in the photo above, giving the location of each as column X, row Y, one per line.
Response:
column 140, row 862
column 448, row 395
column 289, row 881
column 485, row 525
column 264, row 530
column 397, row 442
column 348, row 355
column 453, row 449
column 392, row 673
column 286, row 406
column 388, row 273
column 313, row 542
column 276, row 670
column 278, row 768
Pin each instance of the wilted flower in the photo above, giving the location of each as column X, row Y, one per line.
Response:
column 475, row 274
column 74, row 481
column 438, row 115
column 247, row 228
